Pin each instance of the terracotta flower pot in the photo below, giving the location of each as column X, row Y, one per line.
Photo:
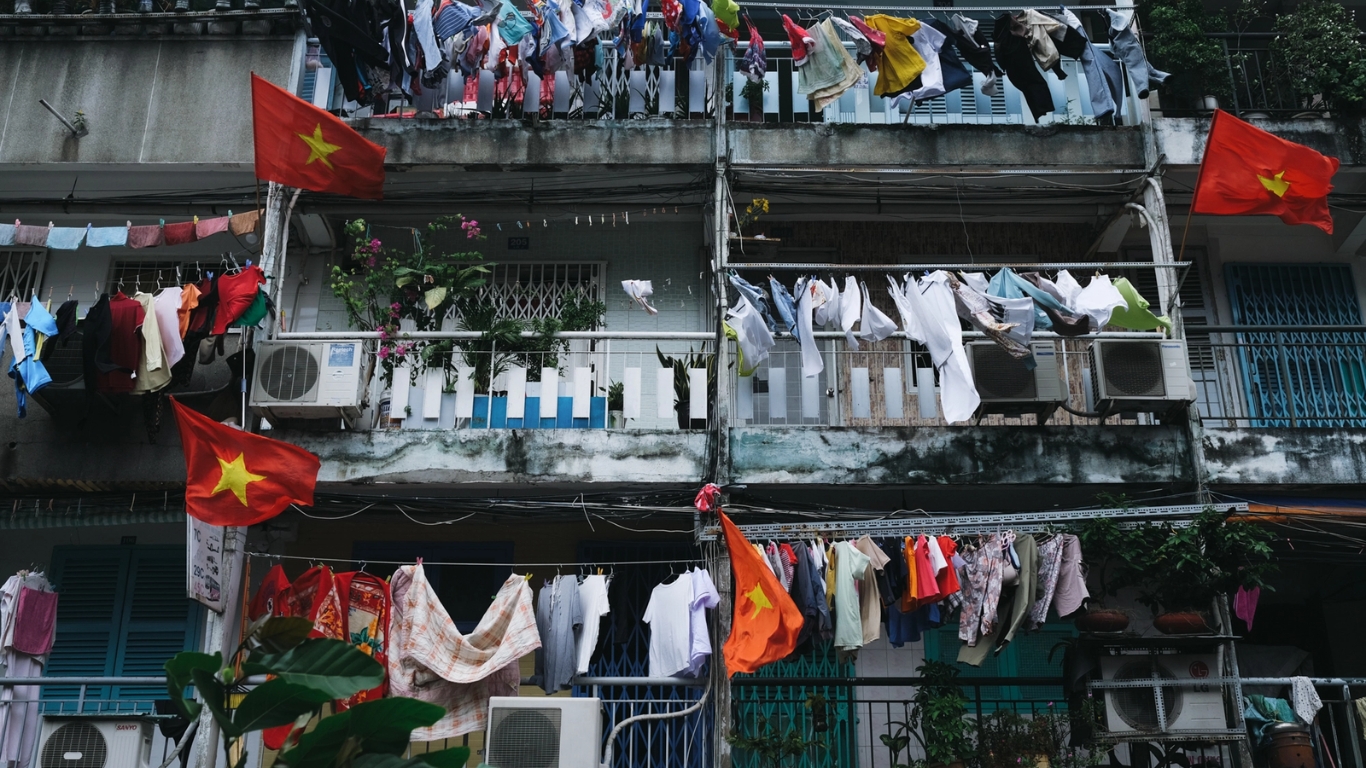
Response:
column 1181, row 623
column 1103, row 620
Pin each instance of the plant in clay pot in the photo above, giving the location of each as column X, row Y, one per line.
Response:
column 939, row 716
column 1192, row 565
column 1117, row 558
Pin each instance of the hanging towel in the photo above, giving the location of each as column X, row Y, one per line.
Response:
column 105, row 237
column 146, row 236
column 65, row 238
column 179, row 233
column 244, row 223
column 751, row 334
column 829, row 70
column 34, row 621
column 1099, row 300
column 812, row 360
column 640, row 292
column 7, row 234
column 27, row 234
column 1304, row 699
column 1245, row 604
column 430, row 660
column 205, row 227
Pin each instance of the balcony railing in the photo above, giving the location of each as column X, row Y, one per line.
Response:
column 1280, row 375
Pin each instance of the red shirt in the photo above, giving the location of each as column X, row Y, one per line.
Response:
column 125, row 343
column 235, row 295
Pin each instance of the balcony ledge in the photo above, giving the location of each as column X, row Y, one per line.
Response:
column 1285, row 456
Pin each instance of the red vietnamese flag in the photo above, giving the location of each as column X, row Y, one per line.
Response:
column 1249, row 171
column 237, row 478
column 766, row 622
column 299, row 145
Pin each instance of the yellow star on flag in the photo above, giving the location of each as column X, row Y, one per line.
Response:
column 1276, row 186
column 759, row 599
column 318, row 148
column 235, row 478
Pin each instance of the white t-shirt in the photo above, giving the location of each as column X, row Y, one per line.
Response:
column 704, row 596
column 850, row 565
column 669, row 615
column 593, row 605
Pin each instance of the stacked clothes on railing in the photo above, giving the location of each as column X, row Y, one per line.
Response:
column 917, row 60
column 1007, row 308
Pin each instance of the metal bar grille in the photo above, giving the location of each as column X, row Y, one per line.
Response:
column 21, row 272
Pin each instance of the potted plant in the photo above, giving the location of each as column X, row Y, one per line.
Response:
column 683, row 387
column 938, row 716
column 753, row 92
column 616, row 396
column 1320, row 44
column 1189, row 566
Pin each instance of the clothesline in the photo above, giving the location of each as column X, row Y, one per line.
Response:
column 127, row 235
column 364, row 561
column 927, row 8
column 1023, row 522
column 822, row 267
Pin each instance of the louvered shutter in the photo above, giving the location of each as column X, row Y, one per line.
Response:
column 90, row 582
column 157, row 620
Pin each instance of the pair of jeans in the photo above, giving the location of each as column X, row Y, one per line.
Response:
column 1130, row 51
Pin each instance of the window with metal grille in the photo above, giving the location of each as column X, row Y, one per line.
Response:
column 21, row 272
column 130, row 276
column 536, row 291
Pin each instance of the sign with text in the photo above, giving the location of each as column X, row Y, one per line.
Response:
column 204, row 563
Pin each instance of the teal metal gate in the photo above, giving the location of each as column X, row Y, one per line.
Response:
column 822, row 716
column 1299, row 377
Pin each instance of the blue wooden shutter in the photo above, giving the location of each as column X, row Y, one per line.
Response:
column 157, row 620
column 90, row 582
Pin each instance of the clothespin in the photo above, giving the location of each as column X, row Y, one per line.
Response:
column 163, row 223
column 527, row 577
column 128, row 224
column 229, row 213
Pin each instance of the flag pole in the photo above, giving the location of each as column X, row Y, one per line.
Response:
column 1190, row 209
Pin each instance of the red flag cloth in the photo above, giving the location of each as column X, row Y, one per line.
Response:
column 302, row 146
column 766, row 623
column 1249, row 171
column 237, row 478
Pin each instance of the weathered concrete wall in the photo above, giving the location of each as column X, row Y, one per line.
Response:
column 1182, row 139
column 501, row 456
column 851, row 146
column 1285, row 456
column 509, row 143
column 960, row 456
column 145, row 101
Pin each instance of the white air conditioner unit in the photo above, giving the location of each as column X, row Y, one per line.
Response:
column 83, row 741
column 309, row 380
column 1138, row 375
column 1007, row 386
column 1190, row 705
column 542, row 732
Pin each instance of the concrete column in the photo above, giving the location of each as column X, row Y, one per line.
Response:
column 720, row 471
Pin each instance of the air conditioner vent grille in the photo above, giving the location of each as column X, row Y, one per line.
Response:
column 1133, row 369
column 1000, row 376
column 1137, row 706
column 289, row 373
column 523, row 738
column 75, row 745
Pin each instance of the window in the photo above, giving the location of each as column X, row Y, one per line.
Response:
column 534, row 291
column 466, row 591
column 21, row 272
column 122, row 612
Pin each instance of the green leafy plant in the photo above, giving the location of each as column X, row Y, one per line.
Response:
column 384, row 285
column 1320, row 44
column 773, row 744
column 753, row 91
column 938, row 716
column 1177, row 41
column 305, row 674
column 616, row 396
column 682, row 385
column 1213, row 555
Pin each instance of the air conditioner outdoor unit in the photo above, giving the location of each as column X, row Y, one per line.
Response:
column 309, row 380
column 83, row 741
column 1193, row 707
column 1006, row 386
column 526, row 732
column 1140, row 375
